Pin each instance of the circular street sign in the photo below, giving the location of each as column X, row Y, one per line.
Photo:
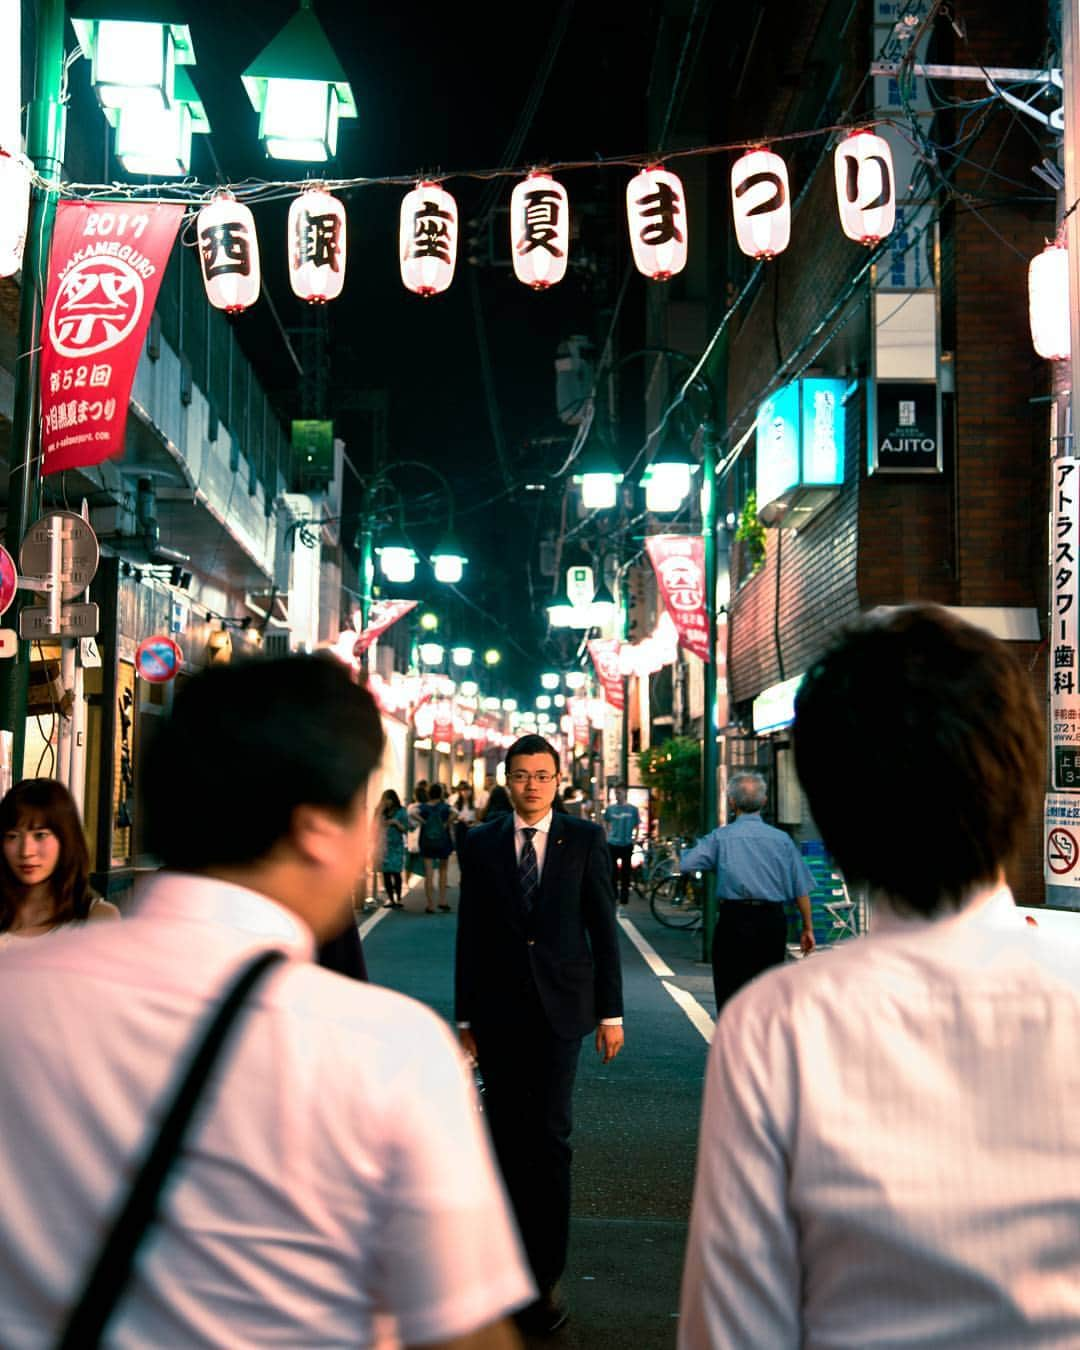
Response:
column 1061, row 851
column 9, row 579
column 79, row 552
column 157, row 659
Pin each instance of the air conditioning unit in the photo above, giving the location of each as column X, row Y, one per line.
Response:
column 276, row 642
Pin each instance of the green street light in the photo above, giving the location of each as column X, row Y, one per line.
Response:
column 157, row 141
column 429, row 622
column 134, row 47
column 298, row 87
column 461, row 656
column 449, row 560
column 666, row 479
column 397, row 559
column 560, row 611
column 492, row 656
column 543, row 702
column 603, row 607
column 598, row 473
column 550, row 679
column 431, row 653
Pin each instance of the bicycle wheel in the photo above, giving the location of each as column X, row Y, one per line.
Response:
column 674, row 904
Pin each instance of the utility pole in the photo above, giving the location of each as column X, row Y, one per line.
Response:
column 46, row 117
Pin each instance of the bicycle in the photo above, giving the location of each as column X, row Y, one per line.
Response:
column 659, row 860
column 676, row 901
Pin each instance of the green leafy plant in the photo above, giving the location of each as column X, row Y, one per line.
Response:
column 672, row 770
column 750, row 532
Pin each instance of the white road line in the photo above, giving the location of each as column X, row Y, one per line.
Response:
column 649, row 955
column 697, row 1014
column 369, row 923
column 693, row 1009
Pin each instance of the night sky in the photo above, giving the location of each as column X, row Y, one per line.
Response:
column 441, row 90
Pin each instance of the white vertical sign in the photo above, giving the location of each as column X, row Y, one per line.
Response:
column 10, row 77
column 1064, row 602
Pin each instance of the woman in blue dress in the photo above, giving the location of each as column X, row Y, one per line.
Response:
column 392, row 823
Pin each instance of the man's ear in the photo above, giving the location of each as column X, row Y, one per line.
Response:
column 316, row 834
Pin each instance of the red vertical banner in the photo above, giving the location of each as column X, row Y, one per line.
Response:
column 679, row 563
column 444, row 723
column 105, row 268
column 605, row 659
column 579, row 714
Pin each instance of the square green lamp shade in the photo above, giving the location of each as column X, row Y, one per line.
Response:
column 134, row 48
column 299, row 89
column 157, row 141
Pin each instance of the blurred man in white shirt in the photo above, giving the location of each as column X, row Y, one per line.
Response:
column 890, row 1140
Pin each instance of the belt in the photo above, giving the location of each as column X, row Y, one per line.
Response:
column 721, row 901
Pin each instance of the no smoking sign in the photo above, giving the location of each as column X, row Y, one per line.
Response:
column 1061, row 836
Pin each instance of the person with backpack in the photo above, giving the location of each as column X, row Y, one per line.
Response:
column 436, row 844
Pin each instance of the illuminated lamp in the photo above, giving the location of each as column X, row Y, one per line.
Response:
column 429, row 622
column 318, row 246
column 550, row 679
column 157, row 141
column 134, row 48
column 449, row 560
column 492, row 656
column 461, row 656
column 575, row 679
column 560, row 611
column 539, row 231
column 14, row 210
column 431, row 653
column 492, row 705
column 228, row 253
column 865, row 187
column 543, row 702
column 666, row 479
column 603, row 608
column 428, row 239
column 509, row 705
column 469, row 688
column 397, row 560
column 559, row 700
column 761, row 203
column 656, row 219
column 297, row 86
column 598, row 473
column 1048, row 303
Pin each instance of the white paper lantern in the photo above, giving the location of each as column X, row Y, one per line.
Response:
column 1048, row 303
column 317, row 246
column 14, row 210
column 428, row 239
column 865, row 187
column 656, row 218
column 228, row 253
column 539, row 231
column 761, row 203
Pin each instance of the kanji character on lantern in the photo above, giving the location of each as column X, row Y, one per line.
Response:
column 427, row 239
column 656, row 216
column 317, row 246
column 761, row 203
column 228, row 253
column 539, row 231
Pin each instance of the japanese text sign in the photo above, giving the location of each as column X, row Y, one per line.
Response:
column 1064, row 691
column 1061, row 839
column 679, row 563
column 105, row 269
column 605, row 659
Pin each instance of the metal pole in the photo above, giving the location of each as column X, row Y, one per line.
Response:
column 66, row 723
column 45, row 148
column 710, row 730
column 624, row 746
column 77, row 774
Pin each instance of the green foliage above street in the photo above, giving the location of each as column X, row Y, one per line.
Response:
column 673, row 771
column 751, row 533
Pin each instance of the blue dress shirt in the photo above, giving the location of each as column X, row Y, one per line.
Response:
column 752, row 861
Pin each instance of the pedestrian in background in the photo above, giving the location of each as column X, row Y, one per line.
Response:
column 314, row 1180
column 414, row 860
column 465, row 811
column 621, row 820
column 44, row 874
column 437, row 819
column 498, row 803
column 392, row 825
column 890, row 1141
column 758, row 868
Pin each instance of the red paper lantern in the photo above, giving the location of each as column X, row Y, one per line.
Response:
column 656, row 218
column 761, row 203
column 428, row 239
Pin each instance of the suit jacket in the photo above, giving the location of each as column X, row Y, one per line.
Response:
column 566, row 949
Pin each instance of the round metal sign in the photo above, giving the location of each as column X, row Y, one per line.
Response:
column 79, row 552
column 9, row 579
column 157, row 659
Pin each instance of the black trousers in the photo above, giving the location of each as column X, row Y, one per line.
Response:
column 748, row 939
column 392, row 885
column 528, row 1074
column 620, row 866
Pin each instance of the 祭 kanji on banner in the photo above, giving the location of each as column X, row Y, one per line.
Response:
column 383, row 615
column 605, row 659
column 679, row 563
column 105, row 269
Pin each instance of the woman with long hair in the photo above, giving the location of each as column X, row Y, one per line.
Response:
column 392, row 825
column 44, row 862
column 437, row 819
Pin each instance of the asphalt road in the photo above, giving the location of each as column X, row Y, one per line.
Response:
column 635, row 1128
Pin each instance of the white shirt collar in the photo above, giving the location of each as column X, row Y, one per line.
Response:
column 544, row 825
column 201, row 899
column 993, row 906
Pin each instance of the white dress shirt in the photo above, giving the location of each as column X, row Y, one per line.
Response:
column 890, row 1146
column 314, row 1199
column 540, row 839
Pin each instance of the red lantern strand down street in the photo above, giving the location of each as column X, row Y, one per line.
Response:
column 428, row 239
column 656, row 218
column 761, row 203
column 539, row 231
column 865, row 187
column 1048, row 302
column 228, row 253
column 317, row 246
column 14, row 210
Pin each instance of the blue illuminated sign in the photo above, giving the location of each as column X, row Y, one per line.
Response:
column 800, row 445
column 778, row 445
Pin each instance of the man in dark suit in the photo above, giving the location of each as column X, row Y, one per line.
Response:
column 537, row 970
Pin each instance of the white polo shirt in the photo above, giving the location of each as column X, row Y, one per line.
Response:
column 339, row 1180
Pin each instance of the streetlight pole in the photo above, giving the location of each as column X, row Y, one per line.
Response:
column 46, row 117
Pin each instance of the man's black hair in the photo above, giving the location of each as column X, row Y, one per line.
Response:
column 918, row 742
column 531, row 745
column 243, row 747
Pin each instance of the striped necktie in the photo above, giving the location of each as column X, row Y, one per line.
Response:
column 528, row 872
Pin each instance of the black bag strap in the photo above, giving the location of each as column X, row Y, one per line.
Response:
column 112, row 1270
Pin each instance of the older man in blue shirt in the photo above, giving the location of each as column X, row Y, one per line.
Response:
column 757, row 868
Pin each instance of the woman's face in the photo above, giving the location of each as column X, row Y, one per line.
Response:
column 32, row 851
